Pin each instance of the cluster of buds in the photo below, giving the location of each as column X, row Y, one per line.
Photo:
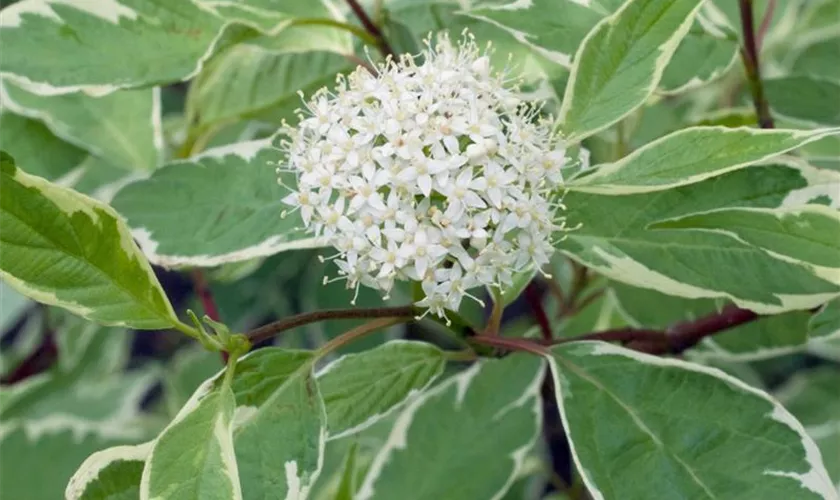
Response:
column 434, row 172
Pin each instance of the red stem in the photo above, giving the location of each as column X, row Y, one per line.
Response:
column 267, row 331
column 202, row 289
column 674, row 340
column 371, row 28
column 512, row 344
column 749, row 54
column 534, row 299
column 765, row 24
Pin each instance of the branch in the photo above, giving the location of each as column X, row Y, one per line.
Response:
column 265, row 332
column 749, row 54
column 371, row 28
column 677, row 338
column 674, row 340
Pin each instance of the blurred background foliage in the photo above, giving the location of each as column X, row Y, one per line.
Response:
column 71, row 388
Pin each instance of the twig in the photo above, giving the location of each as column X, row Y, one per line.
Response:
column 765, row 24
column 353, row 58
column 623, row 335
column 583, row 304
column 202, row 289
column 494, row 322
column 534, row 299
column 358, row 332
column 749, row 54
column 511, row 344
column 265, row 332
column 685, row 335
column 371, row 28
column 208, row 303
column 674, row 340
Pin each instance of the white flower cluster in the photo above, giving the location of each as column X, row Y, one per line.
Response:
column 435, row 172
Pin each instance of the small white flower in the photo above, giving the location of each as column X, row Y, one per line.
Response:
column 435, row 173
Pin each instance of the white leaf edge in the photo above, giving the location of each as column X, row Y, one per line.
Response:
column 589, row 183
column 222, row 433
column 96, row 463
column 667, row 49
column 815, row 480
column 70, row 202
column 296, row 489
column 397, row 439
column 108, row 10
column 409, row 397
column 819, row 182
column 246, row 150
column 831, row 274
column 60, row 129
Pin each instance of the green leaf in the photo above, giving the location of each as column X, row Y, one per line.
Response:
column 101, row 180
column 800, row 234
column 812, row 397
column 692, row 155
column 520, row 282
column 27, row 339
column 123, row 128
column 701, row 58
column 730, row 118
column 653, row 309
column 268, row 16
column 32, row 144
column 250, row 80
column 110, row 474
column 227, row 198
column 53, row 47
column 820, row 16
column 85, row 346
column 423, row 16
column 711, row 436
column 347, row 487
column 36, row 465
column 360, row 389
column 805, row 98
column 766, row 337
column 189, row 368
column 826, row 322
column 728, row 13
column 487, row 418
column 62, row 248
column 828, row 349
column 193, row 457
column 818, row 58
column 614, row 239
column 620, row 62
column 825, row 150
column 279, row 403
column 305, row 38
column 554, row 28
column 12, row 306
column 84, row 403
